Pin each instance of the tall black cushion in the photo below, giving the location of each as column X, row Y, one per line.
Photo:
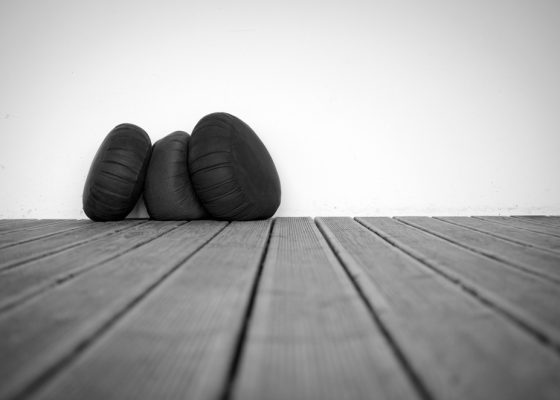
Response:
column 116, row 176
column 168, row 192
column 232, row 172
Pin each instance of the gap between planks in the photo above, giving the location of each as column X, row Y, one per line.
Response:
column 238, row 351
column 523, row 224
column 528, row 259
column 32, row 278
column 535, row 313
column 453, row 333
column 35, row 362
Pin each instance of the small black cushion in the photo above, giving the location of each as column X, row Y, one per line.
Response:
column 232, row 172
column 168, row 192
column 116, row 176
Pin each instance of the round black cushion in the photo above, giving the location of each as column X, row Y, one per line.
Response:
column 232, row 172
column 168, row 192
column 116, row 176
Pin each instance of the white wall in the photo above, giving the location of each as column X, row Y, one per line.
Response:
column 367, row 107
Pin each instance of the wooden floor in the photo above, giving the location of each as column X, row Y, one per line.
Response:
column 291, row 308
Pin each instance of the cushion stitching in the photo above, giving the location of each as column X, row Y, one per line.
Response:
column 232, row 154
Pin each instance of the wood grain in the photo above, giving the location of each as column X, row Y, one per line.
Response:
column 24, row 252
column 181, row 340
column 332, row 309
column 521, row 223
column 542, row 220
column 10, row 220
column 460, row 348
column 31, row 279
column 311, row 336
column 40, row 338
column 528, row 299
column 23, row 236
column 530, row 259
column 7, row 226
column 508, row 232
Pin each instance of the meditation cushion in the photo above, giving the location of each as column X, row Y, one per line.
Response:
column 232, row 173
column 116, row 176
column 168, row 192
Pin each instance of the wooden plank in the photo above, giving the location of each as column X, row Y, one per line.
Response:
column 541, row 219
column 42, row 337
column 14, row 223
column 460, row 348
column 24, row 252
column 28, row 280
column 529, row 259
column 525, row 298
column 24, row 236
column 9, row 220
column 311, row 336
column 31, row 279
column 542, row 223
column 21, row 224
column 508, row 232
column 523, row 224
column 181, row 341
column 553, row 220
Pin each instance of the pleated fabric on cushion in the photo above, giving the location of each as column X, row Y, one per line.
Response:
column 168, row 191
column 116, row 176
column 231, row 170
